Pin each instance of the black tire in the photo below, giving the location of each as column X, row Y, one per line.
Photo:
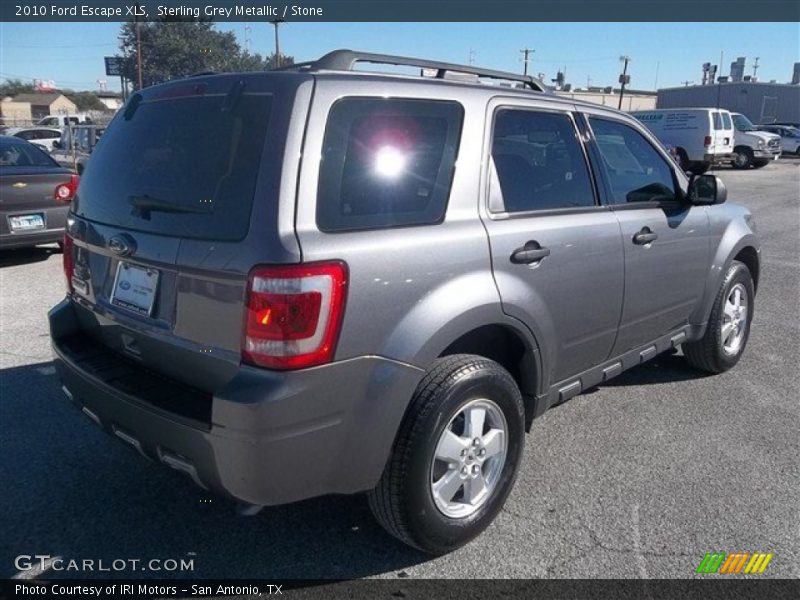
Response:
column 699, row 168
column 708, row 353
column 759, row 164
column 743, row 157
column 403, row 502
column 683, row 159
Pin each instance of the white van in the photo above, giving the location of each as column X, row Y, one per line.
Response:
column 699, row 137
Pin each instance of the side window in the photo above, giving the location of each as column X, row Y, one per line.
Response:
column 26, row 135
column 635, row 171
column 717, row 121
column 539, row 161
column 726, row 120
column 387, row 162
column 82, row 139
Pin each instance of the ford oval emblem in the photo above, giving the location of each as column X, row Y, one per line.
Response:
column 122, row 245
column 125, row 285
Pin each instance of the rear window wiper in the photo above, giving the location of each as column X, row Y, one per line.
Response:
column 143, row 205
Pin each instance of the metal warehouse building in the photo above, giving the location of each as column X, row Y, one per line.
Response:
column 761, row 102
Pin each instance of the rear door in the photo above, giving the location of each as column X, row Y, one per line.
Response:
column 179, row 202
column 556, row 253
column 722, row 133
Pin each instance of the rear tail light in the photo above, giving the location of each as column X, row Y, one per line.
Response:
column 65, row 192
column 294, row 314
column 69, row 264
column 707, row 141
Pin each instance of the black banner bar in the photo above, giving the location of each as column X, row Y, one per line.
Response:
column 404, row 10
column 407, row 589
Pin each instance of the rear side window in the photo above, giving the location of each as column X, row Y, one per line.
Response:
column 387, row 163
column 635, row 171
column 178, row 166
column 717, row 121
column 539, row 162
column 726, row 121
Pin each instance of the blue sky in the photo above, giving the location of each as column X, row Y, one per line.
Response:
column 666, row 53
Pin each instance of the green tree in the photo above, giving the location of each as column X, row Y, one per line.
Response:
column 12, row 87
column 178, row 47
column 84, row 100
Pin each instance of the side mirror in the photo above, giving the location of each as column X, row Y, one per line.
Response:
column 707, row 189
column 56, row 145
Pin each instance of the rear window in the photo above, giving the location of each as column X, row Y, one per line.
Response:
column 387, row 163
column 18, row 153
column 184, row 167
column 717, row 121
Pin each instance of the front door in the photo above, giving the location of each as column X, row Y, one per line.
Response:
column 665, row 239
column 556, row 253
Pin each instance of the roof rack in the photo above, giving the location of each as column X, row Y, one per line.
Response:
column 345, row 60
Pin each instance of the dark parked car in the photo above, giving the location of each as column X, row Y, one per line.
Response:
column 35, row 193
column 314, row 281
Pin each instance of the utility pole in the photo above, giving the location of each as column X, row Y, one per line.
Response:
column 526, row 52
column 687, row 83
column 623, row 79
column 276, row 23
column 471, row 56
column 755, row 67
column 655, row 85
column 138, row 47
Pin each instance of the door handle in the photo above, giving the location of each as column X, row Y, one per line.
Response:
column 530, row 253
column 645, row 236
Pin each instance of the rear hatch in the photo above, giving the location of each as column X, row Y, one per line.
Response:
column 178, row 202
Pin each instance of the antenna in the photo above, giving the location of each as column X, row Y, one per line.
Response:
column 755, row 67
column 247, row 29
column 471, row 56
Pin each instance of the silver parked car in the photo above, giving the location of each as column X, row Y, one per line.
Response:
column 371, row 282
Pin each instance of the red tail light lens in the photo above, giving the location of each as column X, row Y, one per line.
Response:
column 65, row 192
column 294, row 315
column 69, row 263
column 707, row 141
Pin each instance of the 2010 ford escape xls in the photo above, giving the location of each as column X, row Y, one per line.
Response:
column 320, row 280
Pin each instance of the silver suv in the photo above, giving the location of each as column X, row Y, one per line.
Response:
column 321, row 280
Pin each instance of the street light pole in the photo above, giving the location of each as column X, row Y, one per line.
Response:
column 138, row 48
column 277, row 22
column 623, row 79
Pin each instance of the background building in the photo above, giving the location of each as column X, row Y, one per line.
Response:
column 44, row 105
column 761, row 102
column 631, row 100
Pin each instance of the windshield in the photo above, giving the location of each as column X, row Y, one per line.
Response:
column 184, row 166
column 742, row 123
column 792, row 132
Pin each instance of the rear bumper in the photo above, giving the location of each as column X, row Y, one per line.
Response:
column 718, row 159
column 272, row 437
column 31, row 238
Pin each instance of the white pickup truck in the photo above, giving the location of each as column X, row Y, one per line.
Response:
column 753, row 147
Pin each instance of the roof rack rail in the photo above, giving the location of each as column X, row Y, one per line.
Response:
column 345, row 60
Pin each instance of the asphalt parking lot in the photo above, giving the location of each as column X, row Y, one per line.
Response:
column 637, row 478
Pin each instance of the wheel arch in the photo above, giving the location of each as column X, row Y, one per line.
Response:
column 514, row 350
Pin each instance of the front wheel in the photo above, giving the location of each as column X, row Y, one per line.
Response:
column 742, row 158
column 729, row 324
column 456, row 455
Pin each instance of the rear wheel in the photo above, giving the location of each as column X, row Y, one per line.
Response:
column 728, row 326
column 456, row 455
column 742, row 157
column 699, row 168
column 760, row 163
column 683, row 159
